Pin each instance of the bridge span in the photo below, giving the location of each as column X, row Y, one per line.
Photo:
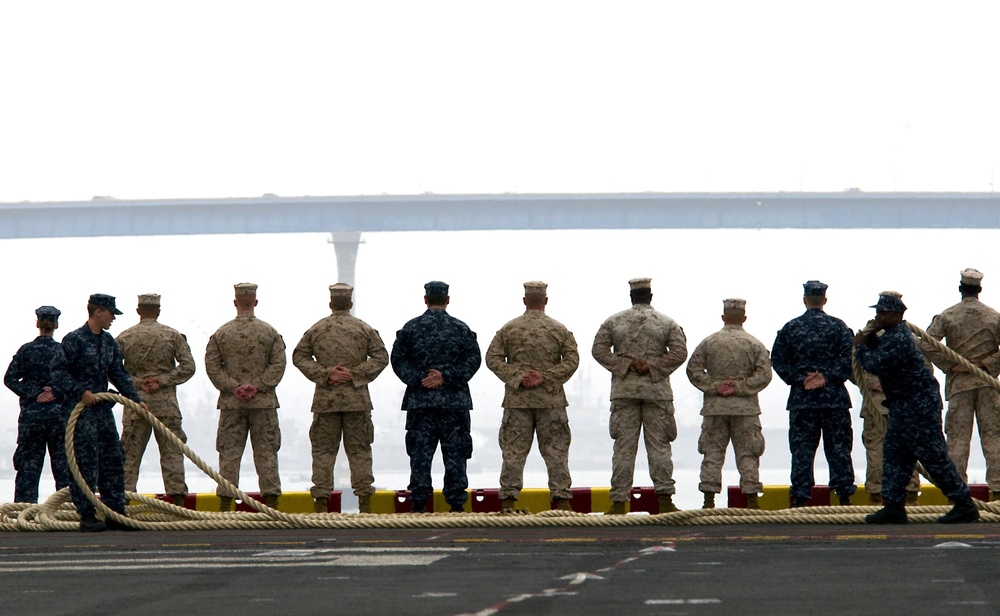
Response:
column 346, row 218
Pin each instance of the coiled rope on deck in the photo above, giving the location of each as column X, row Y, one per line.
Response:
column 56, row 513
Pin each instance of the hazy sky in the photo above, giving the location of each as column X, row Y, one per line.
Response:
column 220, row 99
column 223, row 99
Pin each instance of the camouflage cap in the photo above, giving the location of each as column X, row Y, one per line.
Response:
column 640, row 283
column 535, row 287
column 341, row 289
column 734, row 303
column 47, row 313
column 972, row 277
column 104, row 301
column 436, row 288
column 245, row 288
column 814, row 288
column 149, row 299
column 890, row 301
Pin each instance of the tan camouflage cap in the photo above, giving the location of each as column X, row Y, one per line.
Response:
column 972, row 277
column 149, row 299
column 734, row 303
column 640, row 283
column 341, row 289
column 535, row 287
column 245, row 288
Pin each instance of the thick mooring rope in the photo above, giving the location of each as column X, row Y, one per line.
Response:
column 57, row 513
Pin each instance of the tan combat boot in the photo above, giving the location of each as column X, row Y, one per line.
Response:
column 667, row 503
column 752, row 501
column 617, row 508
column 562, row 504
column 178, row 499
column 320, row 504
column 271, row 500
column 365, row 503
column 709, row 501
column 911, row 499
column 994, row 496
column 508, row 505
column 875, row 499
column 225, row 503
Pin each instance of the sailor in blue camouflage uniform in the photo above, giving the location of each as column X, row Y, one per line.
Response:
column 86, row 360
column 436, row 355
column 914, row 432
column 42, row 422
column 812, row 354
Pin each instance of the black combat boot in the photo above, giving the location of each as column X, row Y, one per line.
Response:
column 892, row 513
column 964, row 511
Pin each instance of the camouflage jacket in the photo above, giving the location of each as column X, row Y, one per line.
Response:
column 86, row 361
column 153, row 349
column 436, row 340
column 971, row 329
column 640, row 333
column 533, row 341
column 341, row 339
column 246, row 350
column 814, row 341
column 28, row 373
column 907, row 381
column 730, row 354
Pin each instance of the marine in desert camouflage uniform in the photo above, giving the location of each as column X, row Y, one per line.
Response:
column 641, row 348
column 159, row 359
column 971, row 329
column 731, row 367
column 245, row 360
column 534, row 355
column 341, row 354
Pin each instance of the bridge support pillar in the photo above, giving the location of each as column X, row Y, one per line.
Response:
column 345, row 246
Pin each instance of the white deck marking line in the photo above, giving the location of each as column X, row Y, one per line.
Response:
column 575, row 580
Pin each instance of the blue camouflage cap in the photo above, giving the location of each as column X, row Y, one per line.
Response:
column 436, row 288
column 104, row 301
column 47, row 313
column 815, row 288
column 890, row 301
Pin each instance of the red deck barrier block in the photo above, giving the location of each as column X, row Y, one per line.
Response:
column 485, row 500
column 581, row 501
column 644, row 498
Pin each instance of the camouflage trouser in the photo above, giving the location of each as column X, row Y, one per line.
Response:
column 983, row 404
column 805, row 426
column 33, row 438
column 872, row 436
column 265, row 439
column 655, row 419
column 358, row 432
column 517, row 431
column 748, row 446
column 135, row 437
column 100, row 459
column 911, row 436
column 424, row 430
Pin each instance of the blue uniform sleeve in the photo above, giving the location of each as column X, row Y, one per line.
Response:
column 16, row 381
column 64, row 385
column 466, row 362
column 402, row 362
column 782, row 363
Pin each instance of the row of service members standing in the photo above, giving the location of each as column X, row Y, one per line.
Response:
column 436, row 355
